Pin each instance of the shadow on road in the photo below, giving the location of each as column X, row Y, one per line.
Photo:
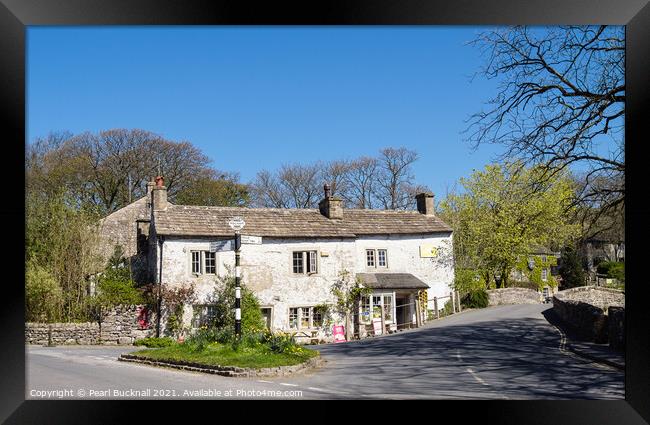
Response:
column 511, row 358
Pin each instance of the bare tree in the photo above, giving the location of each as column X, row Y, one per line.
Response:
column 362, row 181
column 561, row 103
column 302, row 185
column 266, row 191
column 335, row 173
column 395, row 177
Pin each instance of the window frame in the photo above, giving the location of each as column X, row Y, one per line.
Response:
column 382, row 306
column 306, row 257
column 202, row 318
column 371, row 253
column 300, row 316
column 374, row 252
column 205, row 262
column 192, row 263
column 203, row 266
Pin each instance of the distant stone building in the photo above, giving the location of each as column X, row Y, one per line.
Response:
column 404, row 256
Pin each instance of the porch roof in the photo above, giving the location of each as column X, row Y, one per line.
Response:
column 392, row 281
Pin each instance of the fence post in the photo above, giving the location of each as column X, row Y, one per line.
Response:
column 435, row 306
column 458, row 300
column 383, row 322
column 418, row 318
column 453, row 302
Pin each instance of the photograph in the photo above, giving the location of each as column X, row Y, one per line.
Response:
column 296, row 212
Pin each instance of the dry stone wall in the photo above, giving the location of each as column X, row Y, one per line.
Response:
column 585, row 311
column 616, row 319
column 513, row 296
column 121, row 326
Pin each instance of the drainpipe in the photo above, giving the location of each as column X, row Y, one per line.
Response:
column 161, row 243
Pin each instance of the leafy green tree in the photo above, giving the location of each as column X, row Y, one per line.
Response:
column 214, row 189
column 502, row 211
column 63, row 239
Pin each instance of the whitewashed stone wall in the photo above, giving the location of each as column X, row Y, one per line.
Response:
column 267, row 268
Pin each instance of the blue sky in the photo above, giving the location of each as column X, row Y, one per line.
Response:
column 259, row 97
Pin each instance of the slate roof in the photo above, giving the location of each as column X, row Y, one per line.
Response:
column 391, row 281
column 189, row 220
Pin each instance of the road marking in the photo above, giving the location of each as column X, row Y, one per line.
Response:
column 458, row 355
column 288, row 385
column 264, row 382
column 478, row 378
column 563, row 350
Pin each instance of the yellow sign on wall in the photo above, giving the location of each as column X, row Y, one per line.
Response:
column 428, row 250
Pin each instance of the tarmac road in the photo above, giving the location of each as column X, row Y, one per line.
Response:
column 504, row 352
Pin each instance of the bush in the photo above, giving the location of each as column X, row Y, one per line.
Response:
column 280, row 342
column 43, row 295
column 571, row 268
column 612, row 269
column 448, row 309
column 223, row 299
column 274, row 342
column 154, row 342
column 475, row 299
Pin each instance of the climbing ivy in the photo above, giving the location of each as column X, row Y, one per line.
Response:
column 535, row 275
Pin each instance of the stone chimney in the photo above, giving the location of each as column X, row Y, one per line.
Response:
column 425, row 203
column 330, row 206
column 159, row 195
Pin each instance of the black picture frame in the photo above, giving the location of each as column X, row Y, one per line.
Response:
column 15, row 15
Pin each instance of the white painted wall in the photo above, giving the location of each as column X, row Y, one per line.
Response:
column 267, row 268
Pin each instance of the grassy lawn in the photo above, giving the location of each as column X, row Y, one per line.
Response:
column 224, row 355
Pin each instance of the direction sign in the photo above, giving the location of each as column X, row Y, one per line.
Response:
column 256, row 240
column 220, row 246
column 236, row 223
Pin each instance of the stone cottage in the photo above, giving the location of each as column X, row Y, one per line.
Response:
column 403, row 256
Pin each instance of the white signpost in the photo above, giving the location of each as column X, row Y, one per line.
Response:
column 236, row 223
column 248, row 239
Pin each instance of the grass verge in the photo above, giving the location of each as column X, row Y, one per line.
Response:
column 224, row 355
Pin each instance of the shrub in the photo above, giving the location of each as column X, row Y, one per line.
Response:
column 223, row 299
column 280, row 342
column 154, row 342
column 448, row 309
column 612, row 269
column 475, row 299
column 571, row 269
column 43, row 295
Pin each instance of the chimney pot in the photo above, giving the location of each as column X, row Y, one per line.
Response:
column 159, row 195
